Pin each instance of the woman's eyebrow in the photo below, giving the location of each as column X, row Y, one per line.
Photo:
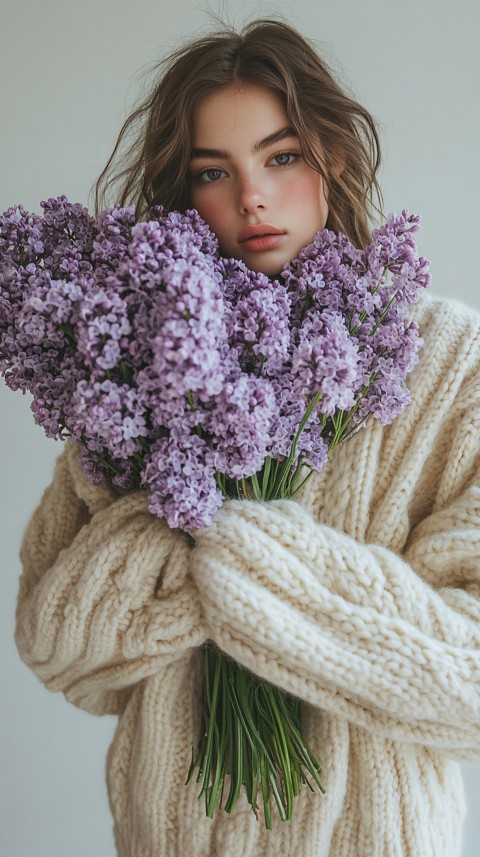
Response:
column 258, row 147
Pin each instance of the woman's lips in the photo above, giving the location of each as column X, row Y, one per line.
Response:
column 260, row 236
column 263, row 242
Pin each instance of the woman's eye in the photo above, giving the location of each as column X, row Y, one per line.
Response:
column 210, row 175
column 284, row 159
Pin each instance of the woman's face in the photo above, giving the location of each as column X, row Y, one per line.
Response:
column 249, row 181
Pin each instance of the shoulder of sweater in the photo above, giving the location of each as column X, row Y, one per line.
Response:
column 453, row 318
column 449, row 362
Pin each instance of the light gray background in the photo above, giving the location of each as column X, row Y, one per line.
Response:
column 69, row 70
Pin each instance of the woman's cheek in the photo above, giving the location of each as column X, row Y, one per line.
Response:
column 209, row 209
column 306, row 198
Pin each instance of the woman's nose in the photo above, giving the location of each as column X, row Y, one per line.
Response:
column 251, row 195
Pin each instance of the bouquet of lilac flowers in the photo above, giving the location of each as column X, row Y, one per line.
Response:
column 188, row 375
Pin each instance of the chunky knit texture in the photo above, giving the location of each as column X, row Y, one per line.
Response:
column 362, row 598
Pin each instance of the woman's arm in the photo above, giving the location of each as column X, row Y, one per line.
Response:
column 391, row 642
column 106, row 598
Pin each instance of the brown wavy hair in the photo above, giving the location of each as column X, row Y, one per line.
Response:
column 333, row 127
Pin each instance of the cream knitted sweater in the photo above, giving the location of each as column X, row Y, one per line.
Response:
column 362, row 598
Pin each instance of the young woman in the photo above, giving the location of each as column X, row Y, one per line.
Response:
column 361, row 597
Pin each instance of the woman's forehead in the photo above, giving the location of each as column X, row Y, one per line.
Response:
column 253, row 111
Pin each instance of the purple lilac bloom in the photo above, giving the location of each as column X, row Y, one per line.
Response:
column 164, row 279
column 326, row 360
column 67, row 233
column 111, row 415
column 112, row 238
column 170, row 364
column 21, row 241
column 240, row 424
column 291, row 410
column 323, row 274
column 49, row 310
column 258, row 322
column 389, row 355
column 167, row 408
column 387, row 397
column 21, row 249
column 394, row 247
column 38, row 354
column 53, row 386
column 181, row 481
column 186, row 345
column 188, row 230
column 393, row 243
column 102, row 329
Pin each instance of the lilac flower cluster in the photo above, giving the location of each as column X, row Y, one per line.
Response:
column 186, row 373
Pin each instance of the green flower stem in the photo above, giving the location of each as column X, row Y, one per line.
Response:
column 299, row 487
column 379, row 321
column 282, row 749
column 68, row 330
column 256, row 487
column 291, row 458
column 340, row 433
column 252, row 734
column 266, row 473
column 354, row 428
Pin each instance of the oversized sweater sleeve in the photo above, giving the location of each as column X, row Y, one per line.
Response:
column 106, row 598
column 388, row 640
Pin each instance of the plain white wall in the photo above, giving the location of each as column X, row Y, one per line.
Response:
column 69, row 71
